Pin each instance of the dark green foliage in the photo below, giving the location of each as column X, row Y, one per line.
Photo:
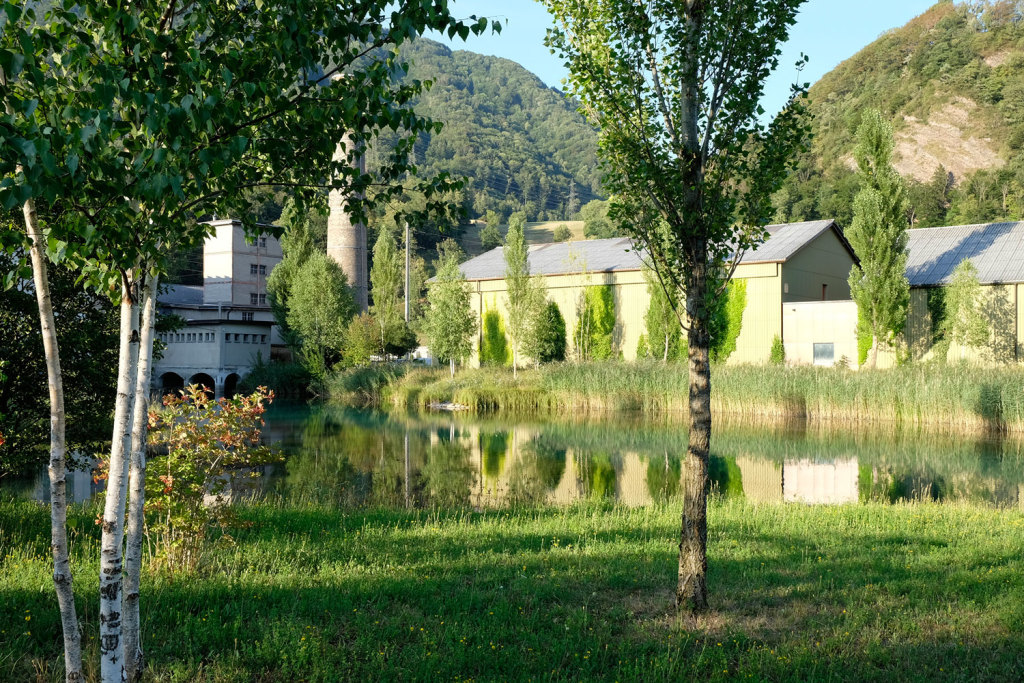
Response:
column 87, row 332
column 937, row 317
column 562, row 233
column 550, row 342
column 729, row 323
column 494, row 345
column 490, row 237
column 286, row 380
column 725, row 476
column 519, row 144
column 663, row 337
column 596, row 224
column 550, row 462
column 595, row 325
column 777, row 356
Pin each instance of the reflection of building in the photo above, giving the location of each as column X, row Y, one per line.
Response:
column 228, row 321
column 799, row 262
column 826, row 483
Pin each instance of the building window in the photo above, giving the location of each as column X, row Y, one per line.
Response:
column 263, row 242
column 263, row 339
column 247, row 316
column 209, row 336
column 824, row 354
column 227, row 338
column 262, row 299
column 238, row 339
column 246, row 339
column 252, row 269
column 254, row 298
column 263, row 269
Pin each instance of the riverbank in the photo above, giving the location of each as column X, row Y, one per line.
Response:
column 906, row 592
column 944, row 398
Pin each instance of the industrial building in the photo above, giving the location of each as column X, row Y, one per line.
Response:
column 788, row 276
column 228, row 320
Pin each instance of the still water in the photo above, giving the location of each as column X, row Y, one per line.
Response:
column 350, row 458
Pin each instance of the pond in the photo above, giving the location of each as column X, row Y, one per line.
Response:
column 351, row 458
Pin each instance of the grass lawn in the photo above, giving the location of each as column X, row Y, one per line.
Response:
column 910, row 592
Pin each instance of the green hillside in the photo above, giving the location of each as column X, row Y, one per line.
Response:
column 520, row 144
column 952, row 83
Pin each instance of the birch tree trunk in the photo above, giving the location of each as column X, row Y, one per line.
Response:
column 111, row 642
column 57, row 466
column 133, row 656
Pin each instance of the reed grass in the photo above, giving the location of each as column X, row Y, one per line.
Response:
column 949, row 398
column 315, row 593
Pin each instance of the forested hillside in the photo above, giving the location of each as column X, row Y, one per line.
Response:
column 952, row 83
column 519, row 144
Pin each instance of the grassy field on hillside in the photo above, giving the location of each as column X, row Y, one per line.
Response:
column 913, row 592
column 945, row 398
column 541, row 232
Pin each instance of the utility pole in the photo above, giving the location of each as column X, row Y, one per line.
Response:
column 407, row 280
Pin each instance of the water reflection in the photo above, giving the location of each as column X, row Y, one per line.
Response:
column 353, row 458
column 345, row 458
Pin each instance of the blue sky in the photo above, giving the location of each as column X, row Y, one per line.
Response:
column 828, row 31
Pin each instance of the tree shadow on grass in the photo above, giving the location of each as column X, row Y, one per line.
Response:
column 562, row 596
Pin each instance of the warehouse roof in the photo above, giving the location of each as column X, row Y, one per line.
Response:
column 618, row 254
column 181, row 295
column 995, row 249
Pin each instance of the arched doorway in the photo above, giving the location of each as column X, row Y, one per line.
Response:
column 231, row 385
column 206, row 381
column 171, row 383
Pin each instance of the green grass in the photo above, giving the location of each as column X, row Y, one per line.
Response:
column 947, row 398
column 909, row 592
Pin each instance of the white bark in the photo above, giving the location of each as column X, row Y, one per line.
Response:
column 57, row 466
column 111, row 642
column 137, row 487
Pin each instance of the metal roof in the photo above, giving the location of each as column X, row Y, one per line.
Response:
column 995, row 249
column 181, row 295
column 618, row 254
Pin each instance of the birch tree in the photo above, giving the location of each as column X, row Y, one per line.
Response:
column 673, row 86
column 126, row 121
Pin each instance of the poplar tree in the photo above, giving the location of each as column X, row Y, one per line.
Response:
column 525, row 294
column 879, row 237
column 386, row 283
column 691, row 164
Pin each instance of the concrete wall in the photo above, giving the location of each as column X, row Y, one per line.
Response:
column 808, row 323
column 228, row 260
column 825, row 261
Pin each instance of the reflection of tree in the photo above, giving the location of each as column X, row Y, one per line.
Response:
column 598, row 475
column 537, row 471
column 550, row 463
column 494, row 448
column 663, row 473
column 725, row 476
column 448, row 474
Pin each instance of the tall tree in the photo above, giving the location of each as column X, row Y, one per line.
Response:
column 674, row 89
column 319, row 310
column 661, row 323
column 450, row 323
column 525, row 294
column 386, row 283
column 963, row 321
column 879, row 236
column 119, row 176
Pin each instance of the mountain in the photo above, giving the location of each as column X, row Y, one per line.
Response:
column 520, row 144
column 952, row 83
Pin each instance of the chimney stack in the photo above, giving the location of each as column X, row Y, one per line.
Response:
column 346, row 239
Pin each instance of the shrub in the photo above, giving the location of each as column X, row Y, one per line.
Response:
column 550, row 334
column 595, row 325
column 723, row 342
column 562, row 233
column 362, row 340
column 494, row 345
column 778, row 352
column 212, row 450
column 284, row 379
